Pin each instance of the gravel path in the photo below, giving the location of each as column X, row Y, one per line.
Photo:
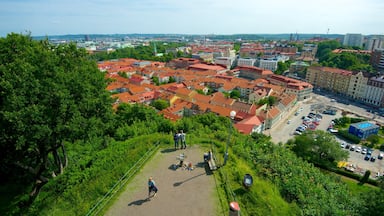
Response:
column 181, row 192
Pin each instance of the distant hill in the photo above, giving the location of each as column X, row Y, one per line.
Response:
column 82, row 37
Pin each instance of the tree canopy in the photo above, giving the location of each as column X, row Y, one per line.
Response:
column 344, row 60
column 49, row 94
column 318, row 147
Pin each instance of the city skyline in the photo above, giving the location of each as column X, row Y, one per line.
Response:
column 53, row 17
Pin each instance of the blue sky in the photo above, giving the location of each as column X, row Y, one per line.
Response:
column 56, row 17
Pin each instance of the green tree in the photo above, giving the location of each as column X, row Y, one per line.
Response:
column 155, row 80
column 235, row 94
column 374, row 139
column 318, row 147
column 160, row 104
column 282, row 67
column 49, row 95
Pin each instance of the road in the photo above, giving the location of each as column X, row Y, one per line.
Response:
column 284, row 130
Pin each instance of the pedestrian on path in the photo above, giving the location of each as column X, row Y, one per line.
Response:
column 151, row 187
column 176, row 137
column 182, row 138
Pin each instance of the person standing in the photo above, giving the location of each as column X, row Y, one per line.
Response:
column 182, row 138
column 176, row 140
column 151, row 187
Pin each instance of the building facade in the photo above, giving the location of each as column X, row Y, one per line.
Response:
column 357, row 86
column 246, row 62
column 374, row 93
column 332, row 79
column 353, row 40
column 377, row 59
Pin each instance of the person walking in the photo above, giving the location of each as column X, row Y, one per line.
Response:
column 182, row 138
column 151, row 187
column 176, row 140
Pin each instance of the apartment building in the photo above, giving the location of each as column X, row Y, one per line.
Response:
column 246, row 62
column 357, row 86
column 332, row 79
column 253, row 73
column 353, row 40
column 374, row 43
column 374, row 93
column 286, row 49
column 225, row 61
column 268, row 64
column 377, row 59
column 301, row 89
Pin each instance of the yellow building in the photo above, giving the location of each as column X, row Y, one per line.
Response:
column 332, row 79
column 357, row 86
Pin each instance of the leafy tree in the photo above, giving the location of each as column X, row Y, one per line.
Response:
column 318, row 147
column 160, row 104
column 49, row 94
column 301, row 183
column 236, row 46
column 282, row 67
column 155, row 80
column 235, row 94
column 171, row 79
column 374, row 139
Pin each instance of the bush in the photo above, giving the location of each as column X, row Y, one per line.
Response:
column 345, row 134
column 365, row 178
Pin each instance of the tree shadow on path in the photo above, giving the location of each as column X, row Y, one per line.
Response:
column 138, row 202
column 176, row 184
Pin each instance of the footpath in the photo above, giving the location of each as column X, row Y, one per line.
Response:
column 181, row 192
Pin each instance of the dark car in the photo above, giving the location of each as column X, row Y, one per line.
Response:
column 347, row 146
column 373, row 159
column 369, row 151
column 367, row 157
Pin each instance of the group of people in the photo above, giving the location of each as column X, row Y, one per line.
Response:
column 179, row 138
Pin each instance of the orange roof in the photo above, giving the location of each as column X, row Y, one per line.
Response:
column 206, row 67
column 253, row 120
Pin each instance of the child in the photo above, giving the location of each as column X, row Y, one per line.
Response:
column 151, row 187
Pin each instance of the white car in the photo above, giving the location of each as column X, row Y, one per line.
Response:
column 343, row 144
column 358, row 149
column 364, row 151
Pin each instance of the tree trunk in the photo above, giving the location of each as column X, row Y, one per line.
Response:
column 58, row 161
column 64, row 155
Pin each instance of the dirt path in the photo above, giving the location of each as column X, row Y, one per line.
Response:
column 181, row 192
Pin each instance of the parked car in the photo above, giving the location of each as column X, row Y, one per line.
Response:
column 358, row 149
column 364, row 151
column 343, row 145
column 297, row 132
column 369, row 151
column 373, row 159
column 347, row 146
column 367, row 157
column 352, row 148
column 380, row 156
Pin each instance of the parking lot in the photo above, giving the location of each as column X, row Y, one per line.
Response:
column 285, row 129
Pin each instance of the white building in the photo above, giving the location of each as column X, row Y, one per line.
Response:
column 357, row 86
column 374, row 93
column 353, row 40
column 226, row 61
column 246, row 62
column 268, row 64
column 374, row 43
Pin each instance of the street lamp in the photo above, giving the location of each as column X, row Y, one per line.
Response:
column 232, row 115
